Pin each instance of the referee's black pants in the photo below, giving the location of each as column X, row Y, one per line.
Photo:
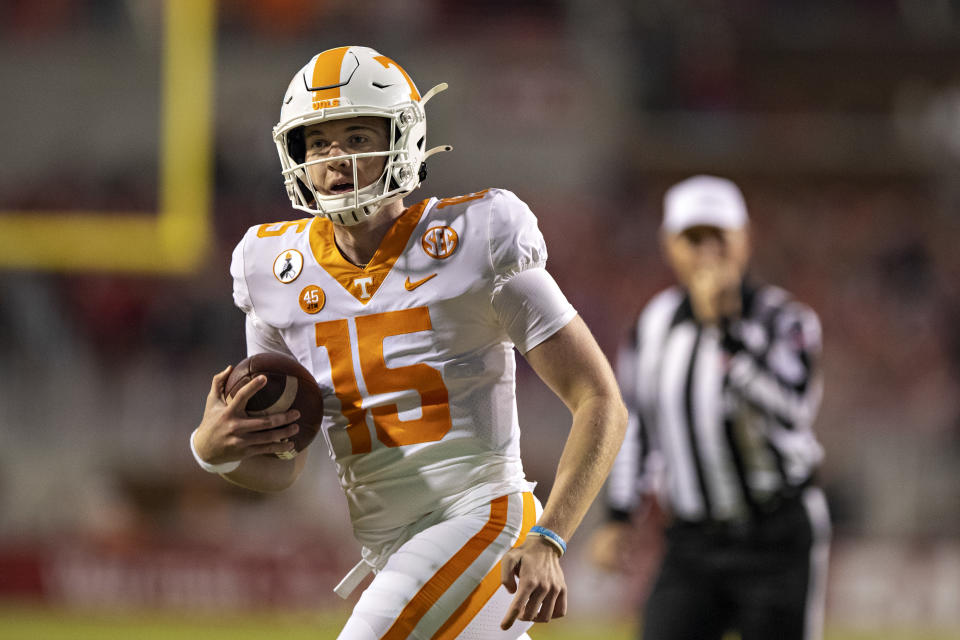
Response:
column 765, row 579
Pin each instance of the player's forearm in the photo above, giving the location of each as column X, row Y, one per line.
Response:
column 267, row 473
column 599, row 423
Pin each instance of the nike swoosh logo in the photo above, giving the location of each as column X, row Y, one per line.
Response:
column 410, row 286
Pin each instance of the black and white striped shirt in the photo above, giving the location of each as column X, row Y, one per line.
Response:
column 721, row 417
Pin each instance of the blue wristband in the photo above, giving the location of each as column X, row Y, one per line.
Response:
column 550, row 537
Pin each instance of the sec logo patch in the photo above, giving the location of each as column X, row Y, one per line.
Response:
column 288, row 265
column 312, row 299
column 439, row 242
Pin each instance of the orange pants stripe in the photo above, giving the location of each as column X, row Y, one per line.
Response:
column 488, row 586
column 450, row 571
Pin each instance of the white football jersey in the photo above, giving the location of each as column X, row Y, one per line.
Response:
column 415, row 364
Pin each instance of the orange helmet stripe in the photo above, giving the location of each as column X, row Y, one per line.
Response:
column 326, row 73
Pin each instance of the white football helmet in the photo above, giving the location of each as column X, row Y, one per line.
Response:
column 348, row 82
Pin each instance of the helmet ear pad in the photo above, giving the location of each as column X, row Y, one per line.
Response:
column 421, row 175
column 421, row 171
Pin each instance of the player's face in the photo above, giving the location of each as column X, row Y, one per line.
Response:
column 707, row 248
column 335, row 140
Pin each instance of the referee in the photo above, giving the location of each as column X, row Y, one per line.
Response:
column 723, row 381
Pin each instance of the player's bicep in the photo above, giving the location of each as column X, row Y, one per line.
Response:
column 571, row 363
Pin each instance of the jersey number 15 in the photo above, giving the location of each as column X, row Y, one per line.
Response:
column 434, row 422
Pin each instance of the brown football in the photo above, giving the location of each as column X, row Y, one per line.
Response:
column 289, row 386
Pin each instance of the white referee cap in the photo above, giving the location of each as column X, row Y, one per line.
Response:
column 704, row 201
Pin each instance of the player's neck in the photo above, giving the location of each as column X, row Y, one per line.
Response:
column 359, row 242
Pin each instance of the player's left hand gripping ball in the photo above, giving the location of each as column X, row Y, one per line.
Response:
column 289, row 386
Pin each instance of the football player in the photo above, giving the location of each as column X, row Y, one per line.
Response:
column 408, row 316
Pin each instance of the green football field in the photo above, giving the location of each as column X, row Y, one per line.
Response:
column 31, row 623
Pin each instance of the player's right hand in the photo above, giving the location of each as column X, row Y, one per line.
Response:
column 532, row 573
column 226, row 433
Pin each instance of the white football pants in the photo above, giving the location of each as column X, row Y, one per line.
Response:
column 444, row 582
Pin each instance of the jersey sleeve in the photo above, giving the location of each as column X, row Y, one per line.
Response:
column 261, row 337
column 516, row 243
column 241, row 293
column 529, row 304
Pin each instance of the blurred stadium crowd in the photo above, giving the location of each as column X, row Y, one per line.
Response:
column 841, row 122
